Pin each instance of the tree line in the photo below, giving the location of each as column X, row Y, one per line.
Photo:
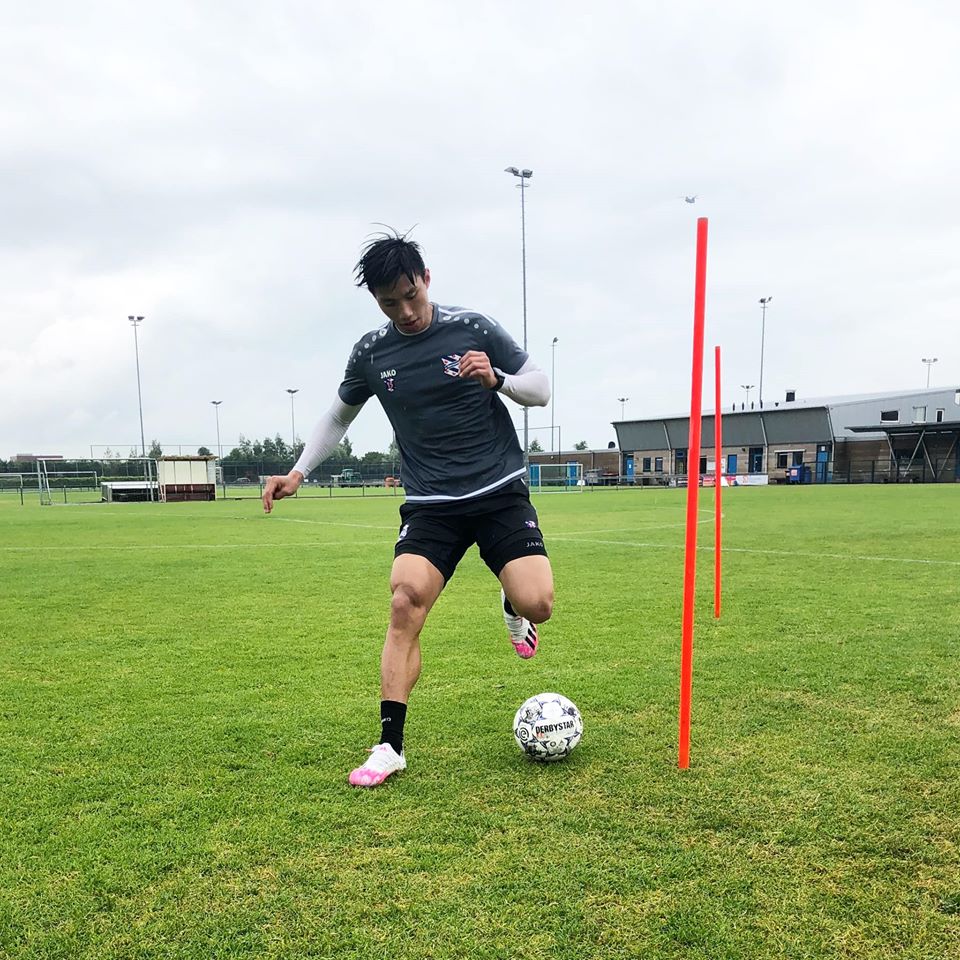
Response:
column 267, row 456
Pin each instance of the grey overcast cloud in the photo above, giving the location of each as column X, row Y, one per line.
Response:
column 216, row 168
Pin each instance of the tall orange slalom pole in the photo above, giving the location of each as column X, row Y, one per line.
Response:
column 718, row 474
column 693, row 493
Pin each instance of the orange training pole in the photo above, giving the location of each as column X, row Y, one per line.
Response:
column 718, row 474
column 693, row 491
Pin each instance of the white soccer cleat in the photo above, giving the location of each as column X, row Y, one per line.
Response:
column 383, row 761
column 523, row 633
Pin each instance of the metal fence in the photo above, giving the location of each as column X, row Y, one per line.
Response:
column 79, row 481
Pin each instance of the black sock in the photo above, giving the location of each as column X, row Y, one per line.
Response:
column 506, row 606
column 392, row 715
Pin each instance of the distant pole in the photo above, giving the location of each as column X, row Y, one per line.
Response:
column 693, row 492
column 929, row 362
column 553, row 385
column 523, row 175
column 223, row 482
column 293, row 426
column 748, row 387
column 136, row 321
column 718, row 475
column 763, row 329
column 623, row 406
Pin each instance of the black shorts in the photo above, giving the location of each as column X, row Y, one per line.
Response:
column 502, row 524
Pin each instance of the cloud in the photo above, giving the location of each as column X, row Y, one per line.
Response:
column 216, row 170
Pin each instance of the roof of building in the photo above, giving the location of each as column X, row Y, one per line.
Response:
column 807, row 402
column 945, row 426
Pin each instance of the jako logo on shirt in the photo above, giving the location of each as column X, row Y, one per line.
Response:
column 389, row 377
column 451, row 365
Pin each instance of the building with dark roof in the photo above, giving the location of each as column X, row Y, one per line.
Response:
column 859, row 438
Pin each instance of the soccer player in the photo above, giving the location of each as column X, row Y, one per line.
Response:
column 440, row 374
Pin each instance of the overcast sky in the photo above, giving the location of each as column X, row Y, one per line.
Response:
column 216, row 167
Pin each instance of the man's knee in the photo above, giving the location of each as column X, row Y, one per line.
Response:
column 535, row 607
column 409, row 604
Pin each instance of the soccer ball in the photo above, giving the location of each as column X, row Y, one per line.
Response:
column 547, row 727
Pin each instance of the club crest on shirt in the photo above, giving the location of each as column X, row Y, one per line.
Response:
column 451, row 365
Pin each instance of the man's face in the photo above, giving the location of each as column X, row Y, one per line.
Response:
column 407, row 304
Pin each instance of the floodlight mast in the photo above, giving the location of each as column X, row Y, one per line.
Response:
column 293, row 426
column 929, row 361
column 763, row 329
column 553, row 389
column 136, row 321
column 523, row 175
column 216, row 407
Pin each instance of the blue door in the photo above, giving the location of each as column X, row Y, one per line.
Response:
column 534, row 474
column 731, row 464
column 629, row 467
column 822, row 455
column 572, row 473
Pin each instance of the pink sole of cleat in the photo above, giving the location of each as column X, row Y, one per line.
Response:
column 525, row 650
column 366, row 778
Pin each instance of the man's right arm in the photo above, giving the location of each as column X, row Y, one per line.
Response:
column 328, row 432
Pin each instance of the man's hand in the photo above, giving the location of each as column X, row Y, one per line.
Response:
column 475, row 365
column 277, row 488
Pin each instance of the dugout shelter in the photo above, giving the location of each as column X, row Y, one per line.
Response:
column 187, row 478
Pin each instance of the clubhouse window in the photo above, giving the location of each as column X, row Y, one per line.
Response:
column 889, row 416
column 646, row 464
column 788, row 458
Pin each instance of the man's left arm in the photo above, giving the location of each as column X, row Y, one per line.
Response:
column 529, row 386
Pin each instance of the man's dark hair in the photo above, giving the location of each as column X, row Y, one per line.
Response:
column 385, row 257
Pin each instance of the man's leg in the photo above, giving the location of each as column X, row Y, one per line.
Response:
column 415, row 584
column 527, row 600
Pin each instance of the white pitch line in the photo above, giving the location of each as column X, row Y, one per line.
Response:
column 199, row 546
column 772, row 553
column 641, row 528
column 329, row 523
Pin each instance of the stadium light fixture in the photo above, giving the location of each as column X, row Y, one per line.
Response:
column 523, row 175
column 929, row 361
column 623, row 405
column 748, row 387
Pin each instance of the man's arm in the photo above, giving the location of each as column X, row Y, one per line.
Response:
column 328, row 432
column 529, row 386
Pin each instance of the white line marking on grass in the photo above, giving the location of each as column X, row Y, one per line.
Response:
column 259, row 519
column 199, row 546
column 773, row 553
column 330, row 523
column 640, row 527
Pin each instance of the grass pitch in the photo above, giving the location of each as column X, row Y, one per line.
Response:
column 184, row 688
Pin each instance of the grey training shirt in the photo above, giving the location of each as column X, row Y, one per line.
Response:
column 456, row 437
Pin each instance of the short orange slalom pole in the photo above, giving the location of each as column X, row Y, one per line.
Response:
column 718, row 474
column 693, row 492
